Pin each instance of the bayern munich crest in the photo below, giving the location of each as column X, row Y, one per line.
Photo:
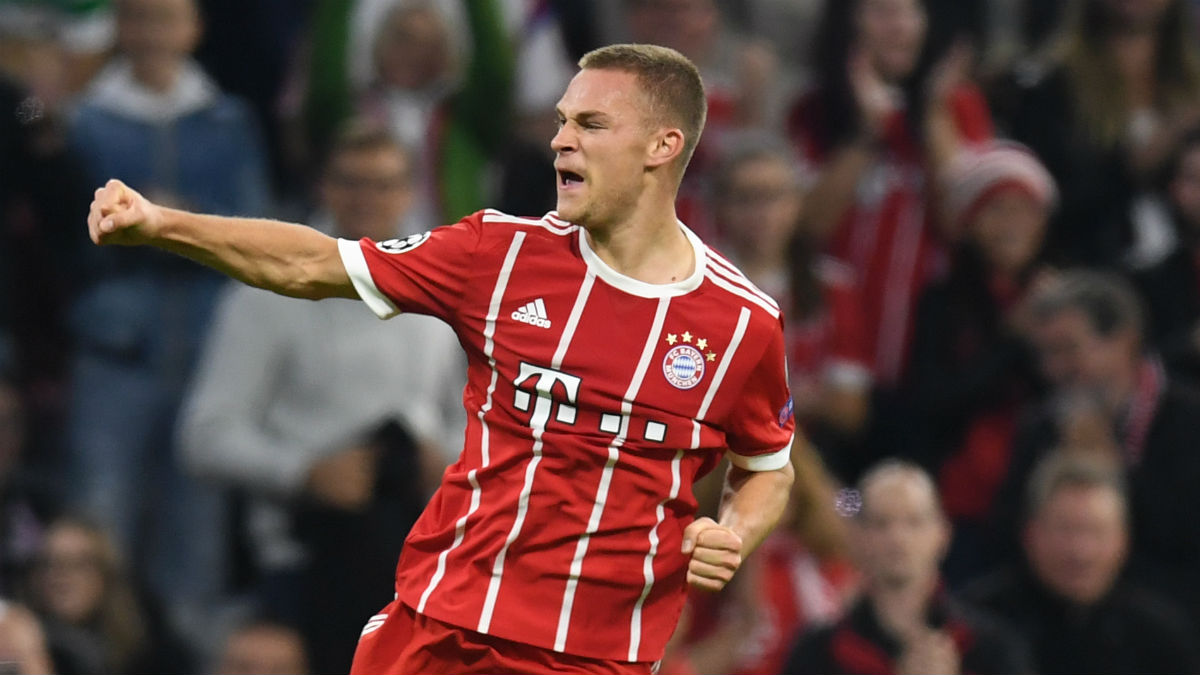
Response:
column 684, row 366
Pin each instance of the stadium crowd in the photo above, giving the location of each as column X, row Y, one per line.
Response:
column 982, row 218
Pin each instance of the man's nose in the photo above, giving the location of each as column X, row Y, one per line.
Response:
column 564, row 140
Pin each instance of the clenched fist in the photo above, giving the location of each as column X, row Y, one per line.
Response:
column 120, row 215
column 716, row 554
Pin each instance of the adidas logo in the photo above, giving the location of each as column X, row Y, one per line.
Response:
column 533, row 313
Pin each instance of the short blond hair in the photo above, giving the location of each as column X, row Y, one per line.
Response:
column 668, row 79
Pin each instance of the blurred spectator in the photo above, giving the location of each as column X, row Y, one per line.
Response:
column 43, row 189
column 791, row 27
column 758, row 199
column 1171, row 288
column 880, row 123
column 906, row 622
column 254, row 50
column 1109, row 397
column 263, row 648
column 801, row 577
column 551, row 38
column 742, row 83
column 92, row 615
column 1068, row 599
column 155, row 120
column 972, row 366
column 741, row 77
column 1104, row 111
column 336, row 424
column 55, row 46
column 1041, row 21
column 440, row 74
column 26, row 503
column 758, row 204
column 22, row 644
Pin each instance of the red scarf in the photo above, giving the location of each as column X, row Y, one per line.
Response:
column 1143, row 406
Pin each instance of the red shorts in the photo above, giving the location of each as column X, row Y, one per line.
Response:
column 399, row 641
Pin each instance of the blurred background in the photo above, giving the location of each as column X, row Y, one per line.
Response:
column 982, row 218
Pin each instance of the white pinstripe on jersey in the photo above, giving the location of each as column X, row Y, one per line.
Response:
column 564, row 342
column 635, row 385
column 727, row 271
column 660, row 513
column 489, row 346
column 635, row 622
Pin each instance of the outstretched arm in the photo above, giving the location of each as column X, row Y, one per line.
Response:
column 288, row 259
column 752, row 504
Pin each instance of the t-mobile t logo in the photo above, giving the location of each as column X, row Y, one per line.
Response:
column 544, row 383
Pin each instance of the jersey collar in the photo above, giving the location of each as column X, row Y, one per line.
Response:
column 641, row 288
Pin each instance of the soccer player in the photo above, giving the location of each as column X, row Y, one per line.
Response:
column 612, row 359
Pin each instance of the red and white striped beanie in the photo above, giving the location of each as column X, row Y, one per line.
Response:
column 981, row 171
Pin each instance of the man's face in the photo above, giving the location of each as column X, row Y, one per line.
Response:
column 1074, row 356
column 901, row 534
column 368, row 192
column 604, row 138
column 70, row 577
column 761, row 206
column 1076, row 544
column 157, row 29
column 1185, row 189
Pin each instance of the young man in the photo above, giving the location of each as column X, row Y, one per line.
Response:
column 905, row 621
column 612, row 359
column 1070, row 589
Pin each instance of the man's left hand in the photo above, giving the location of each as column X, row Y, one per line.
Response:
column 716, row 554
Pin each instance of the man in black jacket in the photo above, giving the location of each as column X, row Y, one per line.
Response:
column 1067, row 600
column 1110, row 397
column 905, row 622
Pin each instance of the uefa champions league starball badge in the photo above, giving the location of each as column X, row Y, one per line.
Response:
column 684, row 364
column 403, row 245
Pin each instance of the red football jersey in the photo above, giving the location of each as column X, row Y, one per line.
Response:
column 594, row 401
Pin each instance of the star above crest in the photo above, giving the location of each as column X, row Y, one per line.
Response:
column 686, row 337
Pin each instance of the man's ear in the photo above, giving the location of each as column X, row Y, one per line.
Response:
column 666, row 145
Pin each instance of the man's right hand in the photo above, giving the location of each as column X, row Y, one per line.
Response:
column 345, row 480
column 121, row 216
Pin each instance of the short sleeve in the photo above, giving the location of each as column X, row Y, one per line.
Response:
column 761, row 423
column 423, row 274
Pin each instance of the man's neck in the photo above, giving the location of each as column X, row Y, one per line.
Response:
column 647, row 246
column 159, row 77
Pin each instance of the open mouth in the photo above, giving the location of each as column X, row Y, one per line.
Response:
column 569, row 178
